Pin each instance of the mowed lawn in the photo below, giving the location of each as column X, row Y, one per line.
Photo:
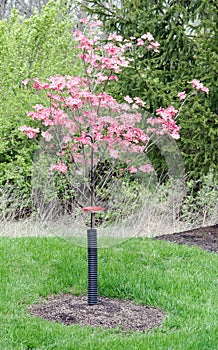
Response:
column 182, row 280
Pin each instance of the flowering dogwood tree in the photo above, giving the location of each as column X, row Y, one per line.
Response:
column 86, row 126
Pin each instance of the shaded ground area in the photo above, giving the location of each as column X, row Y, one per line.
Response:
column 205, row 238
column 122, row 315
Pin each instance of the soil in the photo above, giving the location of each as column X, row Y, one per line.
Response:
column 205, row 238
column 121, row 315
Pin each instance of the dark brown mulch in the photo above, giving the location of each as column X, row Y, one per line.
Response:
column 122, row 315
column 204, row 237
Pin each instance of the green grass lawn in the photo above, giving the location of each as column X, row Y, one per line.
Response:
column 179, row 279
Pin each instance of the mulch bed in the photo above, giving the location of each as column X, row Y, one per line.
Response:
column 204, row 237
column 122, row 315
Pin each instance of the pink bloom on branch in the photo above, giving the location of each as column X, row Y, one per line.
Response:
column 112, row 49
column 84, row 20
column 153, row 46
column 130, row 119
column 26, row 81
column 38, row 107
column 40, row 85
column 148, row 36
column 29, row 131
column 133, row 170
column 83, row 139
column 59, row 167
column 128, row 99
column 165, row 124
column 57, row 83
column 196, row 84
column 182, row 95
column 59, row 154
column 140, row 42
column 128, row 44
column 135, row 106
column 114, row 153
column 97, row 23
column 146, row 168
column 165, row 113
column 168, row 127
column 139, row 101
column 113, row 77
column 115, row 37
column 67, row 139
column 175, row 133
column 47, row 136
column 172, row 111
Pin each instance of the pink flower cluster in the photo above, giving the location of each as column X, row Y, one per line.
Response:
column 165, row 124
column 25, row 81
column 29, row 131
column 146, row 168
column 75, row 110
column 135, row 102
column 59, row 167
column 196, row 84
column 153, row 45
column 109, row 56
column 182, row 95
column 146, row 40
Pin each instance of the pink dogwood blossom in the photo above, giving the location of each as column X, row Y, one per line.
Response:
column 140, row 42
column 59, row 167
column 148, row 36
column 165, row 123
column 153, row 46
column 133, row 170
column 25, row 81
column 47, row 136
column 182, row 95
column 128, row 99
column 146, row 168
column 196, row 84
column 29, row 131
column 115, row 37
column 168, row 112
column 67, row 139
